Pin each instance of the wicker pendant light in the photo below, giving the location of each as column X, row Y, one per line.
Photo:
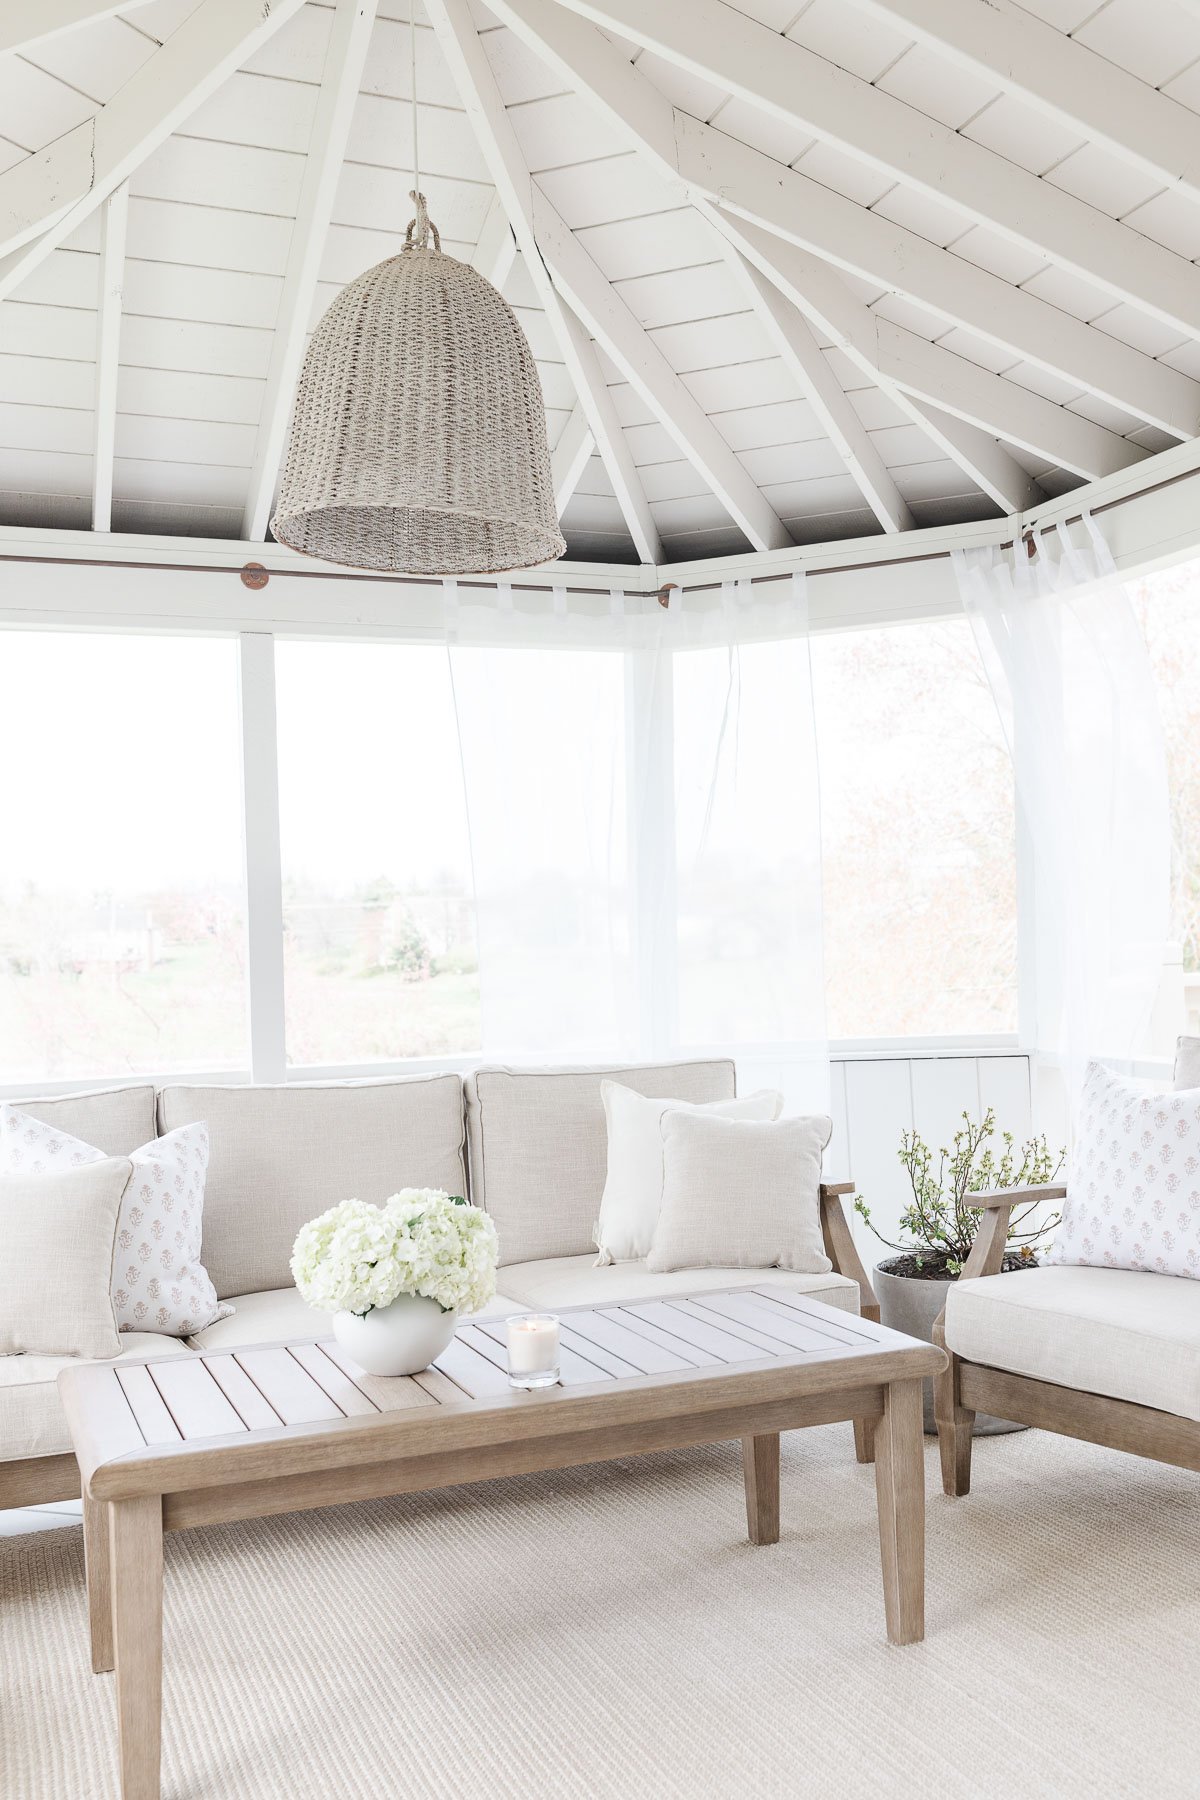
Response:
column 419, row 435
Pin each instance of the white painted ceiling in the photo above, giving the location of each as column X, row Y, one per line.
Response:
column 886, row 172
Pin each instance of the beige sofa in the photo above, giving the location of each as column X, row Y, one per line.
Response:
column 529, row 1145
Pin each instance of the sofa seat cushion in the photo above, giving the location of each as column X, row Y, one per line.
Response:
column 32, row 1422
column 563, row 1281
column 1124, row 1333
column 280, row 1316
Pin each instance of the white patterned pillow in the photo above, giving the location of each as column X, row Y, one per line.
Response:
column 158, row 1280
column 1133, row 1193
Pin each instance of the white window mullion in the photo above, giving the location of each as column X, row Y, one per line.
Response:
column 650, row 788
column 264, row 878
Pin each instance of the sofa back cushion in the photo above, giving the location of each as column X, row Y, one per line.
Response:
column 278, row 1156
column 539, row 1149
column 114, row 1120
column 1187, row 1062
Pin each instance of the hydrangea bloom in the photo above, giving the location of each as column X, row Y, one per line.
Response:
column 421, row 1241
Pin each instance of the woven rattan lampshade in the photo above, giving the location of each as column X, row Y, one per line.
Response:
column 419, row 434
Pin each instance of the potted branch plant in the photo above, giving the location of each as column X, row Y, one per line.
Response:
column 940, row 1225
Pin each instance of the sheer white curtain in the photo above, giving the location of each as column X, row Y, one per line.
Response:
column 643, row 804
column 1069, row 670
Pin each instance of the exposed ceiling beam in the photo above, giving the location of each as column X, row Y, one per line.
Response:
column 988, row 463
column 594, row 300
column 47, row 196
column 703, row 162
column 570, row 456
column 472, row 75
column 496, row 251
column 903, row 361
column 108, row 355
column 791, row 335
column 349, row 41
column 1021, row 54
column 816, row 97
column 25, row 22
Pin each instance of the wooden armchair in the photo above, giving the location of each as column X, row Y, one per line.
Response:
column 1108, row 1355
column 841, row 1251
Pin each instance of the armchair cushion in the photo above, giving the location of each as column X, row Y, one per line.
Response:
column 1125, row 1333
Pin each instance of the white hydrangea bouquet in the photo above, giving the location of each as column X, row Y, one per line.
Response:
column 397, row 1276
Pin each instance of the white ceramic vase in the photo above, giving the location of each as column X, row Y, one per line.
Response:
column 398, row 1339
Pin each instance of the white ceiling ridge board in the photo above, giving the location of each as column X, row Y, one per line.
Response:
column 708, row 164
column 472, row 73
column 570, row 457
column 345, row 60
column 790, row 82
column 593, row 299
column 108, row 354
column 1077, row 88
column 54, row 191
column 24, row 22
column 791, row 334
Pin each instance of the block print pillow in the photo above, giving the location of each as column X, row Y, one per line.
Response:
column 1133, row 1191
column 158, row 1281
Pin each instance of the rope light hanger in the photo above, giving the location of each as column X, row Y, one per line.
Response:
column 418, row 439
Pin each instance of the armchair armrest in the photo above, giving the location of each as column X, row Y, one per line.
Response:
column 840, row 1247
column 1015, row 1197
column 987, row 1252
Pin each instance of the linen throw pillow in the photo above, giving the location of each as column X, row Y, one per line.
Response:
column 57, row 1241
column 1133, row 1187
column 634, row 1184
column 158, row 1280
column 741, row 1194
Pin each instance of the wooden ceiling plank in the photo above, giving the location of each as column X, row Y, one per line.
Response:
column 489, row 119
column 54, row 191
column 570, row 456
column 1059, row 76
column 791, row 335
column 345, row 59
column 792, row 83
column 108, row 355
column 702, row 162
column 25, row 22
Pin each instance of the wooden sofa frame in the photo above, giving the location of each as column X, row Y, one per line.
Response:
column 40, row 1480
column 965, row 1388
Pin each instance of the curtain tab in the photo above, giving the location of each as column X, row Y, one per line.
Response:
column 559, row 597
column 504, row 598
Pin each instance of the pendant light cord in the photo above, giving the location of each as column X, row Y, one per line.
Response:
column 415, row 194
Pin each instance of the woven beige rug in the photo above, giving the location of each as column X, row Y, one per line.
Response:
column 609, row 1632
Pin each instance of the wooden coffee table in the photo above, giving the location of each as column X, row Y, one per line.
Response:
column 214, row 1436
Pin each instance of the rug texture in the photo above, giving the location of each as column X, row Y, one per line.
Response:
column 609, row 1632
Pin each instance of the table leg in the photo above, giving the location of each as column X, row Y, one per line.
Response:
column 760, row 1459
column 99, row 1585
column 137, row 1564
column 864, row 1440
column 900, row 1490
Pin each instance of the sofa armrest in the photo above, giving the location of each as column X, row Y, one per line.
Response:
column 839, row 1245
column 987, row 1252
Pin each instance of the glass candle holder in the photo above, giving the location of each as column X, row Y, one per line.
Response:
column 533, row 1350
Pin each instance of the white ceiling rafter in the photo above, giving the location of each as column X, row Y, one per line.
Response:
column 108, row 354
column 345, row 58
column 704, row 162
column 594, row 300
column 24, row 22
column 570, row 456
column 44, row 198
column 792, row 83
column 496, row 250
column 791, row 335
column 908, row 365
column 984, row 459
column 1003, row 43
column 472, row 75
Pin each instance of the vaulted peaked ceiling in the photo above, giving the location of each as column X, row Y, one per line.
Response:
column 793, row 270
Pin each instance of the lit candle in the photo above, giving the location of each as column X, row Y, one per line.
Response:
column 533, row 1350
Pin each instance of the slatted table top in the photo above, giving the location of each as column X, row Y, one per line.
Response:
column 192, row 1421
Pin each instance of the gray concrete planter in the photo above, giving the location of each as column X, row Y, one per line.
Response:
column 913, row 1308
